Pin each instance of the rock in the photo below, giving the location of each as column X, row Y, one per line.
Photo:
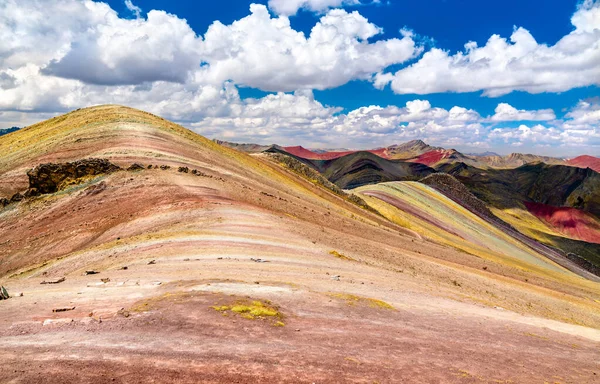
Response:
column 49, row 178
column 152, row 262
column 136, row 167
column 91, row 272
column 183, row 169
column 4, row 202
column 4, row 293
column 123, row 312
column 31, row 192
column 150, row 166
column 105, row 280
column 165, row 167
column 56, row 310
column 56, row 321
column 336, row 277
column 124, row 268
column 55, row 281
column 16, row 197
column 259, row 260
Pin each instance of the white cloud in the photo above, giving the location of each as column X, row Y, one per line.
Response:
column 298, row 118
column 64, row 54
column 290, row 7
column 267, row 53
column 506, row 112
column 537, row 135
column 585, row 113
column 121, row 51
column 137, row 11
column 502, row 66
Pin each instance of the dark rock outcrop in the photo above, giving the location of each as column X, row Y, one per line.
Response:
column 136, row 167
column 457, row 191
column 4, row 201
column 48, row 178
column 4, row 294
column 17, row 197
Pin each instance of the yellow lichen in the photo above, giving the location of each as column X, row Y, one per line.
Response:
column 250, row 310
column 354, row 300
column 340, row 256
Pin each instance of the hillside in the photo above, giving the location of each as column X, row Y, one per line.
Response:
column 146, row 252
column 586, row 162
column 554, row 185
column 361, row 168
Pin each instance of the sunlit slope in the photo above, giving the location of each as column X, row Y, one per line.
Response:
column 148, row 203
column 123, row 135
column 532, row 226
column 430, row 213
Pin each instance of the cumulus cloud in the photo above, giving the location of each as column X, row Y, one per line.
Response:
column 291, row 7
column 267, row 53
column 305, row 120
column 121, row 51
column 65, row 54
column 579, row 130
column 503, row 66
column 506, row 112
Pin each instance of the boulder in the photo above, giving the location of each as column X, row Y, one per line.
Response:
column 3, row 293
column 4, row 201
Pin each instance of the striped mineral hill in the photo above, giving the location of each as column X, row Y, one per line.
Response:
column 430, row 213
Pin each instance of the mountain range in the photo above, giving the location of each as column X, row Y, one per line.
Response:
column 135, row 248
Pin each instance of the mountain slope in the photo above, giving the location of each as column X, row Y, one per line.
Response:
column 226, row 264
column 360, row 168
column 586, row 162
column 553, row 185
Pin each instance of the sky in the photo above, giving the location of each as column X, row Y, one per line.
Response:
column 509, row 76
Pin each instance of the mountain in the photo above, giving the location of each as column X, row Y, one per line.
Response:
column 417, row 151
column 515, row 160
column 555, row 185
column 304, row 153
column 248, row 148
column 409, row 150
column 134, row 238
column 586, row 162
column 6, row 131
column 483, row 154
column 361, row 168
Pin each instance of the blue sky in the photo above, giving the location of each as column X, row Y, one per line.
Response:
column 375, row 74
